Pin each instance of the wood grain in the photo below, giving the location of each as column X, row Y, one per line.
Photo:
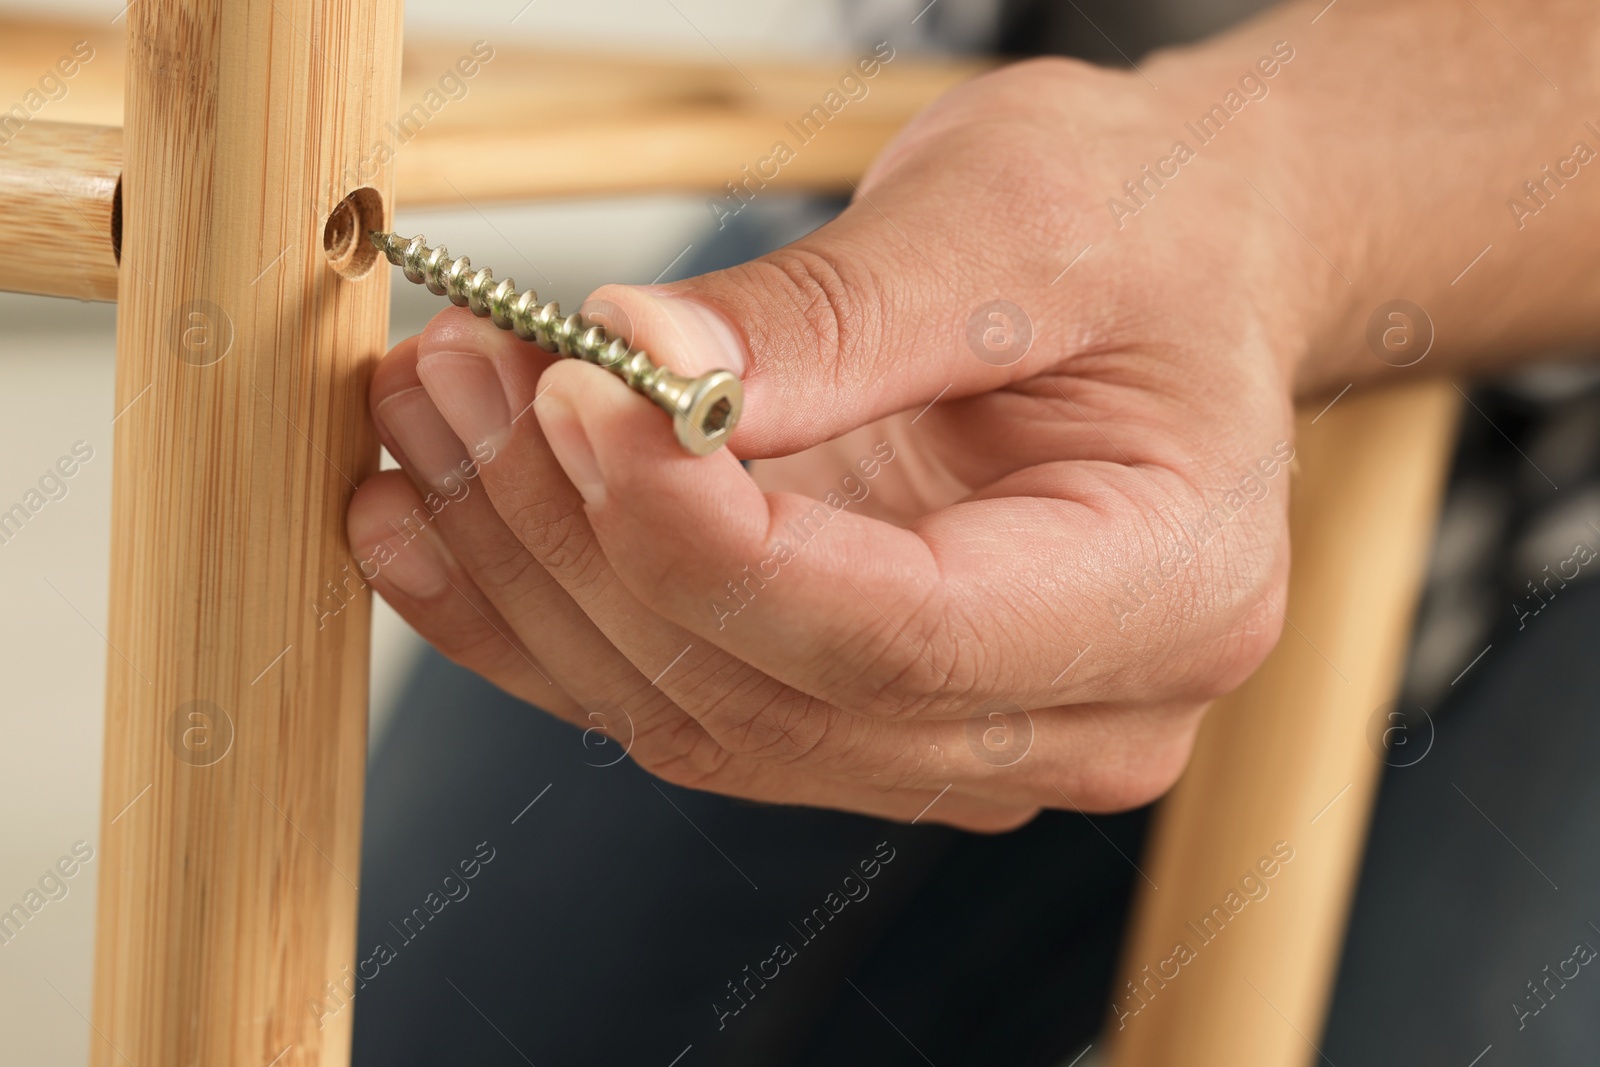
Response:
column 527, row 124
column 1287, row 759
column 562, row 122
column 58, row 201
column 236, row 711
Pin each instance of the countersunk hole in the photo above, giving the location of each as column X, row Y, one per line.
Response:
column 344, row 237
column 716, row 419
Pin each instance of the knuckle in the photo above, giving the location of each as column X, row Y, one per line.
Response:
column 1244, row 647
column 506, row 568
column 469, row 647
column 838, row 303
column 1156, row 777
column 782, row 727
column 884, row 678
column 679, row 752
column 1026, row 77
column 482, row 649
column 782, row 734
column 1143, row 766
column 931, row 665
column 558, row 536
column 1250, row 594
column 902, row 769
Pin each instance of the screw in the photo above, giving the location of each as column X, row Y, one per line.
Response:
column 704, row 410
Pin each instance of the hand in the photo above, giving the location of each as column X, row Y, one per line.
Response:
column 1088, row 527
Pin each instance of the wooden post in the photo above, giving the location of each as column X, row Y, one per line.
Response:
column 1291, row 757
column 236, row 709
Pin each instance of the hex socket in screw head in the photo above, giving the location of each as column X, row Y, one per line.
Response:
column 706, row 409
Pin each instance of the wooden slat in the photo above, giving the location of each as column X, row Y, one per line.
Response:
column 1287, row 759
column 526, row 124
column 235, row 742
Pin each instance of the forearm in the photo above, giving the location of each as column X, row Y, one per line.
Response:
column 1444, row 152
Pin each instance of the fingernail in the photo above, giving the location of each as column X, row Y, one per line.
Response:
column 467, row 390
column 571, row 446
column 693, row 337
column 432, row 451
column 405, row 552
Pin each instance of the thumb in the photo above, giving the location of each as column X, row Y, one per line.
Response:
column 856, row 321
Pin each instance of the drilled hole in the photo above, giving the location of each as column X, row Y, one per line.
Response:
column 344, row 238
column 116, row 222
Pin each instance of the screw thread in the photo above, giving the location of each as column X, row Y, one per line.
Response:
column 573, row 336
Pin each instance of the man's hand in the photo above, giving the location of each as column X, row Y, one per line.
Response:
column 1018, row 505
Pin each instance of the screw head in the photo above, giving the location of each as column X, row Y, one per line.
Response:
column 708, row 411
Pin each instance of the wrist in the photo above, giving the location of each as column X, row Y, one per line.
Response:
column 1402, row 172
column 1230, row 101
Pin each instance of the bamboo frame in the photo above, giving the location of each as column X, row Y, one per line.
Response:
column 236, row 710
column 556, row 122
column 228, row 898
column 1289, row 758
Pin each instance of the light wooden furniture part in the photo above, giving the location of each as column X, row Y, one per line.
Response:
column 235, row 723
column 228, row 891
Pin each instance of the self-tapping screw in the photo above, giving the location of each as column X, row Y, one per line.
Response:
column 704, row 410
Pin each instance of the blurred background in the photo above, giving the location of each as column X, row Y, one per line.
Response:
column 1502, row 521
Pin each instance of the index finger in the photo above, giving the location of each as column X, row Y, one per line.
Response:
column 1001, row 597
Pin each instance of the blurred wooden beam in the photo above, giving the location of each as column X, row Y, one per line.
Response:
column 1287, row 761
column 487, row 122
column 520, row 90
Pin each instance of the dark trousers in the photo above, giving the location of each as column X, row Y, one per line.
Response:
column 617, row 920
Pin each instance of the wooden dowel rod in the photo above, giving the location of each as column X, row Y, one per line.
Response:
column 58, row 217
column 1288, row 759
column 235, row 738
